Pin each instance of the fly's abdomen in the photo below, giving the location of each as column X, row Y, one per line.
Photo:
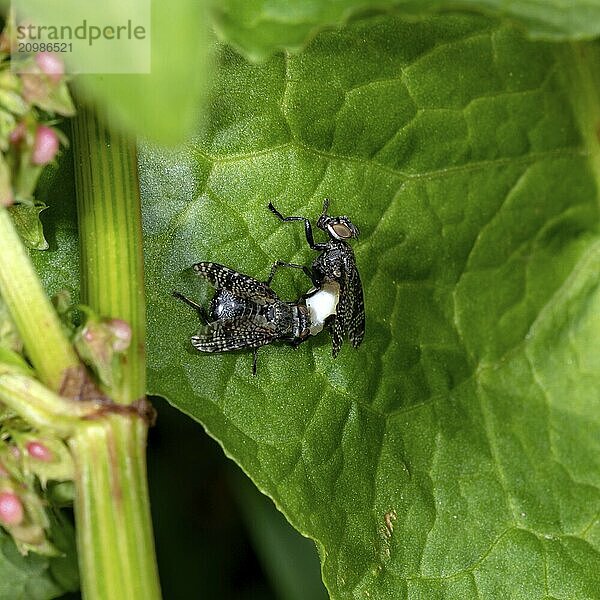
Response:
column 322, row 305
column 301, row 323
column 280, row 316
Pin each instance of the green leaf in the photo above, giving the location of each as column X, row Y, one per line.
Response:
column 289, row 560
column 59, row 265
column 259, row 28
column 35, row 577
column 456, row 452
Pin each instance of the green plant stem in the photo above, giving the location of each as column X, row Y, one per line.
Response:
column 114, row 530
column 112, row 511
column 110, row 233
column 41, row 407
column 31, row 309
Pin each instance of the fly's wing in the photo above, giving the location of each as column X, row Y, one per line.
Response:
column 233, row 334
column 337, row 338
column 237, row 283
column 356, row 324
column 350, row 315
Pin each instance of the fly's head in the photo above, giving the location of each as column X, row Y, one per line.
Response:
column 338, row 228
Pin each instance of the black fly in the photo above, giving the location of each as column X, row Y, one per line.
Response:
column 247, row 313
column 336, row 265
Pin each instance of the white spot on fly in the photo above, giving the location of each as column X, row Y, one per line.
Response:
column 322, row 304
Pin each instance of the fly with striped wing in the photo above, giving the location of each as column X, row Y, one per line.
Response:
column 336, row 265
column 247, row 313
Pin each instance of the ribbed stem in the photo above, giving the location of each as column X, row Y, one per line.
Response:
column 114, row 529
column 31, row 309
column 110, row 232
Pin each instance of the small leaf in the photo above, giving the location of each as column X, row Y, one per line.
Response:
column 27, row 221
column 40, row 90
column 44, row 456
column 100, row 344
column 29, row 577
column 13, row 102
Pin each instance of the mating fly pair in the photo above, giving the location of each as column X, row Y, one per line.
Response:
column 247, row 313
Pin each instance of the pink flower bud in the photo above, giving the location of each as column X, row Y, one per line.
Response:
column 11, row 509
column 17, row 134
column 45, row 145
column 122, row 334
column 38, row 451
column 51, row 65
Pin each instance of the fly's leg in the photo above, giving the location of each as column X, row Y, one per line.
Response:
column 307, row 227
column 280, row 263
column 201, row 312
column 187, row 301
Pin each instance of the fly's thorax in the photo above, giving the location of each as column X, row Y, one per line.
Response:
column 322, row 304
column 227, row 305
column 338, row 256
